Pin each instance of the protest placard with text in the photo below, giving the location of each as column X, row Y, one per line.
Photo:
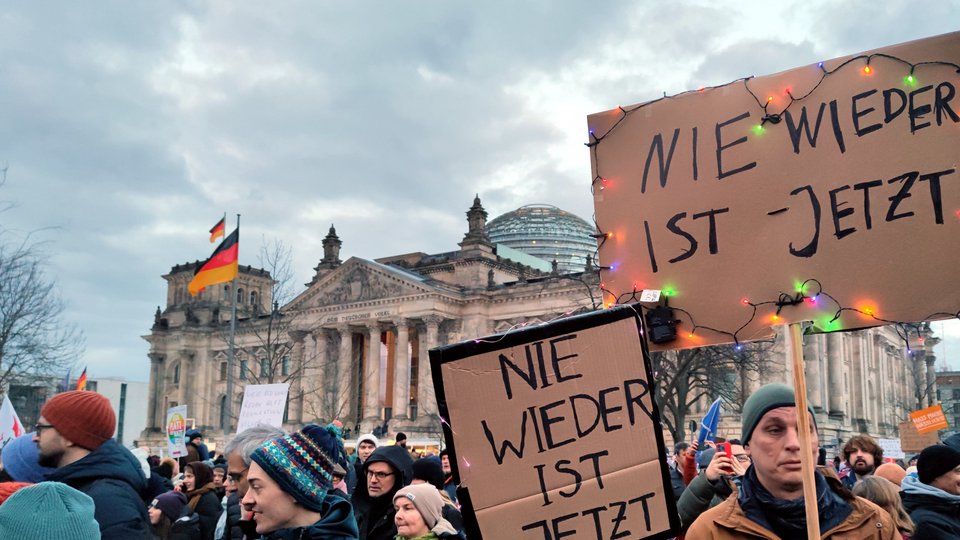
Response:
column 263, row 404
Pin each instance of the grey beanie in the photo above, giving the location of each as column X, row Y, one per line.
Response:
column 764, row 400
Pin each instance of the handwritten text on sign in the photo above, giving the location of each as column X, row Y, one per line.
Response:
column 569, row 417
column 263, row 404
column 838, row 186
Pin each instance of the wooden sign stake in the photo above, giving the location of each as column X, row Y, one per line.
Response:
column 795, row 343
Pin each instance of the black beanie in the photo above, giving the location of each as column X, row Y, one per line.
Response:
column 429, row 470
column 935, row 461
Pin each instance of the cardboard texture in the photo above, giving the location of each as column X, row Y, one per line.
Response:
column 553, row 431
column 855, row 185
column 929, row 420
column 912, row 441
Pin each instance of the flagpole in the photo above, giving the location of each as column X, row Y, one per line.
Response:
column 228, row 405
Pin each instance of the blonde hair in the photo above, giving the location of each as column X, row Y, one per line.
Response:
column 885, row 494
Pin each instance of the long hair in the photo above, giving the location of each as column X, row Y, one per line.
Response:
column 162, row 530
column 885, row 494
column 865, row 443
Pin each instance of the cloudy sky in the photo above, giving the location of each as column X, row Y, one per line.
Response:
column 129, row 128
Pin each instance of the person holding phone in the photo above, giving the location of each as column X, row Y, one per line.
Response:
column 715, row 483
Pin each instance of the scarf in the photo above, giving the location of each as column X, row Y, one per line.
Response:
column 788, row 519
column 195, row 495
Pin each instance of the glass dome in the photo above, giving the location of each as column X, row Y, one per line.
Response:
column 546, row 232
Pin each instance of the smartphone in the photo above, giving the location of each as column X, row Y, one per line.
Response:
column 725, row 448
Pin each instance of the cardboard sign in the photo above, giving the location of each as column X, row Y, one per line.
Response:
column 891, row 448
column 263, row 404
column 553, row 432
column 850, row 181
column 929, row 420
column 177, row 431
column 912, row 441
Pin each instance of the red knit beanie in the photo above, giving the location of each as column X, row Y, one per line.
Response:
column 9, row 488
column 84, row 418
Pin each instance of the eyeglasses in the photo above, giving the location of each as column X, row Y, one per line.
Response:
column 40, row 427
column 742, row 458
column 236, row 476
column 379, row 475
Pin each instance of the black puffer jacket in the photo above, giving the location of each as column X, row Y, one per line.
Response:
column 112, row 477
column 375, row 515
column 185, row 528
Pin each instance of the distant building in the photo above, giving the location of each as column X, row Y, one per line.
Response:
column 547, row 233
column 128, row 398
column 353, row 345
column 948, row 393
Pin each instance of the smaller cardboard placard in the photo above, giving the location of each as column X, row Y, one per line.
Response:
column 913, row 442
column 177, row 430
column 553, row 432
column 929, row 420
column 263, row 404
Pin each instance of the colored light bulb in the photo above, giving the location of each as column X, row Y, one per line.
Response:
column 867, row 69
column 745, row 301
column 758, row 129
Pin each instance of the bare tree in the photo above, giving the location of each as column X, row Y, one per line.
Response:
column 34, row 338
column 684, row 377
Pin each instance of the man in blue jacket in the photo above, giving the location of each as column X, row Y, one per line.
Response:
column 74, row 436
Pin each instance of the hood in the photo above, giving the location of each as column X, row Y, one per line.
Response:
column 914, row 486
column 109, row 460
column 338, row 522
column 398, row 458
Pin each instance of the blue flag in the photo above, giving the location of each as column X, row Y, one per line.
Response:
column 708, row 426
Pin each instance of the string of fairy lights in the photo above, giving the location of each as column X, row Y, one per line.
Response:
column 772, row 113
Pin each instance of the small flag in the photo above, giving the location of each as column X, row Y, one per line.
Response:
column 10, row 426
column 218, row 230
column 82, row 381
column 221, row 267
column 65, row 383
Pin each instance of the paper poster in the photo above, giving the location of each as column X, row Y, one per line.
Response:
column 553, row 432
column 263, row 404
column 826, row 193
column 929, row 420
column 177, row 430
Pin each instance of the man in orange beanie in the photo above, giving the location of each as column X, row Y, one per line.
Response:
column 74, row 435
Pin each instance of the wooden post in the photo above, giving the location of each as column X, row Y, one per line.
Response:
column 795, row 343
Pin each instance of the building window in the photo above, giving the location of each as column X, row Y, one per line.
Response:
column 285, row 366
column 121, row 411
column 264, row 367
column 956, row 407
column 253, row 298
column 223, row 371
column 243, row 370
column 239, row 296
column 176, row 374
column 956, row 393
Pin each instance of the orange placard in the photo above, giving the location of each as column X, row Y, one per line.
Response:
column 929, row 419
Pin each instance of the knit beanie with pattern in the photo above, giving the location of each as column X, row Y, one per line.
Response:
column 48, row 510
column 764, row 400
column 302, row 463
column 84, row 418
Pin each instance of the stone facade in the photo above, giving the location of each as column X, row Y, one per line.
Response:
column 354, row 343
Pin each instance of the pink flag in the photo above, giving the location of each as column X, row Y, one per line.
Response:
column 10, row 426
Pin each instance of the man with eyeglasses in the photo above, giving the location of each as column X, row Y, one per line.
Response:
column 74, row 435
column 386, row 471
column 237, row 524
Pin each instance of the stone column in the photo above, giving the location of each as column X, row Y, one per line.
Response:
column 297, row 383
column 835, row 361
column 426, row 398
column 401, row 383
column 154, row 391
column 812, row 360
column 316, row 389
column 345, row 385
column 182, row 383
column 371, row 375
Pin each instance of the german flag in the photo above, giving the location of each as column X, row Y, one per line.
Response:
column 218, row 230
column 221, row 267
column 82, row 381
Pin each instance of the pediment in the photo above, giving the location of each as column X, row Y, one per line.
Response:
column 358, row 280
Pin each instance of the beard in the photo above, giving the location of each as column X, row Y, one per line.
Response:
column 862, row 467
column 49, row 460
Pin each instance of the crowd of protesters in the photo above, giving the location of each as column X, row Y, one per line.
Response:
column 69, row 479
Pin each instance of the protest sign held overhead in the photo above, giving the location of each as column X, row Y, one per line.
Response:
column 929, row 420
column 828, row 192
column 177, row 430
column 565, row 411
column 263, row 404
